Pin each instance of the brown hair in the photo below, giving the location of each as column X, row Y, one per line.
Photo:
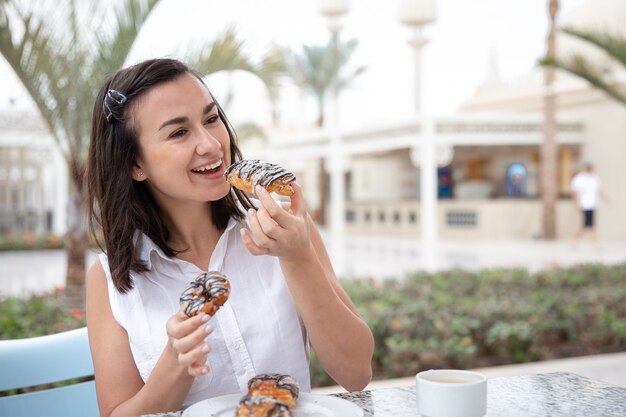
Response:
column 119, row 205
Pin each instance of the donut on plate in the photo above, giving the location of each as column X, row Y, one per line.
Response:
column 269, row 395
column 259, row 406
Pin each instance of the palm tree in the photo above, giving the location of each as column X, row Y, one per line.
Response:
column 549, row 146
column 321, row 70
column 601, row 77
column 62, row 54
column 227, row 53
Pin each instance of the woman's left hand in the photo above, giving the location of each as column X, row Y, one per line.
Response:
column 276, row 231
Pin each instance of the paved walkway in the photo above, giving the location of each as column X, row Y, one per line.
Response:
column 381, row 256
column 393, row 256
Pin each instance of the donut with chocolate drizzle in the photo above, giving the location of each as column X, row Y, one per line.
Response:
column 207, row 293
column 268, row 381
column 248, row 173
column 260, row 406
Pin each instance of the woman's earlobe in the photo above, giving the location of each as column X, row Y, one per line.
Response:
column 138, row 174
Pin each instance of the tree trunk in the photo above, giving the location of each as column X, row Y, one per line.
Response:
column 321, row 217
column 323, row 178
column 320, row 119
column 77, row 239
column 549, row 148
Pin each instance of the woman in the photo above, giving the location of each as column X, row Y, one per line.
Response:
column 159, row 146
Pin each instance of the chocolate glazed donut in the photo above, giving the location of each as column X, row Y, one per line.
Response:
column 207, row 293
column 260, row 406
column 248, row 173
column 269, row 394
column 281, row 381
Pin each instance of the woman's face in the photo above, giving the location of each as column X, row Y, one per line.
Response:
column 184, row 145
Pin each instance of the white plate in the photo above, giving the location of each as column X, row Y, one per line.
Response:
column 309, row 405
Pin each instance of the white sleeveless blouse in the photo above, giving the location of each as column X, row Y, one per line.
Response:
column 257, row 330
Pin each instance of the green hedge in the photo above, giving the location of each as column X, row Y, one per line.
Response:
column 37, row 316
column 448, row 319
column 29, row 241
column 467, row 319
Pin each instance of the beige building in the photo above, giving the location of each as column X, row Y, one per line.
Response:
column 33, row 185
column 487, row 180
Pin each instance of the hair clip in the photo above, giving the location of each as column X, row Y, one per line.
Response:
column 117, row 98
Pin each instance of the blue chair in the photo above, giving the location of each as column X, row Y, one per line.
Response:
column 42, row 360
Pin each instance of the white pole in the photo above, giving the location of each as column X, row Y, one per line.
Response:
column 337, row 191
column 417, row 41
column 336, row 157
column 428, row 196
column 427, row 163
column 416, row 14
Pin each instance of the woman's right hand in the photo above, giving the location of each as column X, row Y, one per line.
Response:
column 187, row 337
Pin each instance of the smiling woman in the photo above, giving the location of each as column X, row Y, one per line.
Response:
column 160, row 146
column 176, row 124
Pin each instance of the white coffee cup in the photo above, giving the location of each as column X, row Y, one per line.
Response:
column 451, row 393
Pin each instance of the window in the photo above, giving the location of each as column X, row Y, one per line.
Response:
column 461, row 218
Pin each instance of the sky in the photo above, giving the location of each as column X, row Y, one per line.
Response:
column 454, row 61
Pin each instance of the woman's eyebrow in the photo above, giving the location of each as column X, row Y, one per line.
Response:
column 174, row 121
column 208, row 107
column 183, row 119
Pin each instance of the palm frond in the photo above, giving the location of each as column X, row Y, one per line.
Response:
column 225, row 53
column 614, row 45
column 58, row 68
column 271, row 67
column 322, row 69
column 33, row 62
column 347, row 79
column 113, row 45
column 600, row 77
column 316, row 71
column 249, row 130
column 596, row 76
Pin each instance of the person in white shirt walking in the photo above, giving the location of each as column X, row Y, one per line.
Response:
column 586, row 191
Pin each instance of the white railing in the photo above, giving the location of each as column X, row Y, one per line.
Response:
column 485, row 218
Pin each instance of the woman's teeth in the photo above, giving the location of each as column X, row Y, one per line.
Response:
column 211, row 167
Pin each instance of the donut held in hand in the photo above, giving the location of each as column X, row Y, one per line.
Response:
column 248, row 173
column 207, row 293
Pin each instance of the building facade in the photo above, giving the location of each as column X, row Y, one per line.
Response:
column 33, row 180
column 487, row 179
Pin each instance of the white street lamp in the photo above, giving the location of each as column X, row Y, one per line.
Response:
column 417, row 14
column 330, row 8
column 334, row 10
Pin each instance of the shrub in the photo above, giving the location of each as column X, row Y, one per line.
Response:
column 37, row 316
column 467, row 319
column 29, row 241
column 454, row 318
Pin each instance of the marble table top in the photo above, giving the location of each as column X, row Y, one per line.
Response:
column 538, row 395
